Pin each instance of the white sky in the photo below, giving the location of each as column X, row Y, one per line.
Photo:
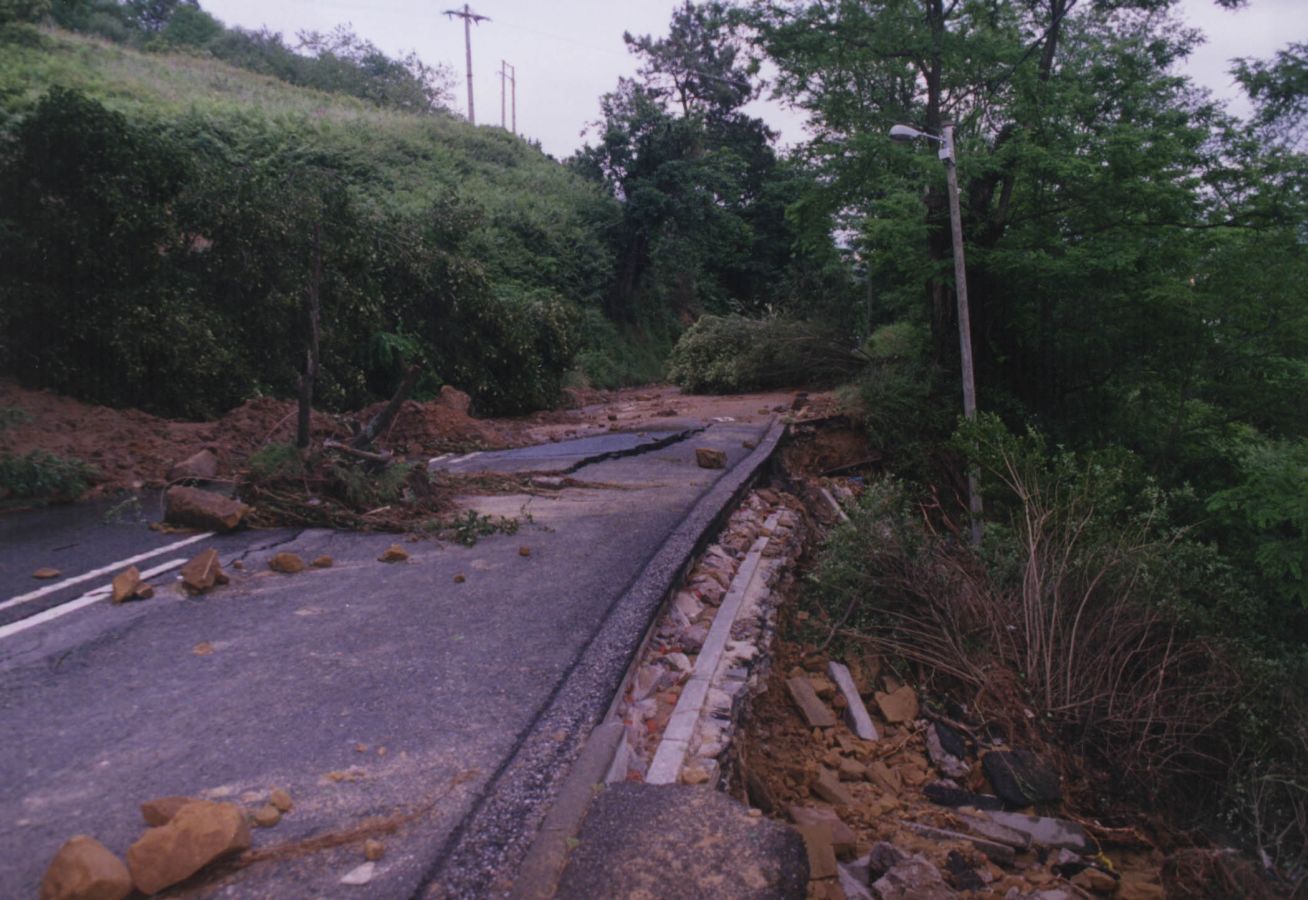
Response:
column 569, row 52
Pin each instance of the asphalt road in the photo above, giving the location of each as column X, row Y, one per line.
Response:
column 434, row 713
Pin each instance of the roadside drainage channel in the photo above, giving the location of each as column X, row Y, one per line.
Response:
column 703, row 659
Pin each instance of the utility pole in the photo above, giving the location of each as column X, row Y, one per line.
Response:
column 468, row 17
column 964, row 320
column 509, row 74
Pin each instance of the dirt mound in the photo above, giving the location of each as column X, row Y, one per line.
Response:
column 437, row 425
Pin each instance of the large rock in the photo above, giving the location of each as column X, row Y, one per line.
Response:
column 203, row 572
column 913, row 878
column 682, row 843
column 947, row 751
column 899, row 705
column 201, row 465
column 455, row 399
column 843, row 840
column 815, row 712
column 125, row 585
column 160, row 811
column 205, row 510
column 1021, row 778
column 84, row 869
column 200, row 832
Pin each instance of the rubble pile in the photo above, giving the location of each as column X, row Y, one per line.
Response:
column 895, row 801
column 770, row 525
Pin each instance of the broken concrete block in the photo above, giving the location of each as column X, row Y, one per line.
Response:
column 855, row 712
column 843, row 839
column 815, row 712
column 1044, row 830
column 992, row 830
column 84, row 869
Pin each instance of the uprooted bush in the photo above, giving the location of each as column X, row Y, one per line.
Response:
column 733, row 354
column 1087, row 622
column 43, row 477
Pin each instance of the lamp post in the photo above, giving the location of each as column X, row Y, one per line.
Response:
column 905, row 134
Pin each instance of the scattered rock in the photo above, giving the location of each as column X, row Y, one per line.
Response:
column 202, row 509
column 881, row 858
column 843, row 839
column 749, row 445
column 280, row 799
column 996, row 832
column 1020, row 778
column 267, row 816
column 885, row 777
column 161, row 810
column 394, row 553
column 1100, row 882
column 84, row 869
column 828, row 787
column 373, row 850
column 806, row 699
column 694, row 774
column 899, row 705
column 524, row 551
column 962, row 875
column 198, row 465
column 46, row 573
column 821, row 853
column 203, row 572
column 852, row 770
column 286, row 563
column 125, row 585
column 460, row 578
column 144, row 592
column 946, row 793
column 1000, row 853
column 360, row 874
column 913, row 878
column 948, row 762
column 323, row 562
column 200, row 832
column 855, row 712
column 708, row 458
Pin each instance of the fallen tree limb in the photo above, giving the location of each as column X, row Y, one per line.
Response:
column 384, row 457
column 382, row 419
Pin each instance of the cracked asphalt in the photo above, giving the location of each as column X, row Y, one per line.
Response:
column 436, row 713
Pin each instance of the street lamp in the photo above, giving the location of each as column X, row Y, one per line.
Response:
column 905, row 134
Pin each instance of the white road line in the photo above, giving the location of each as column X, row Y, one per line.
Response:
column 465, row 457
column 436, row 459
column 103, row 570
column 86, row 599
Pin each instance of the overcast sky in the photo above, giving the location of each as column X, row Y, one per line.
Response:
column 569, row 52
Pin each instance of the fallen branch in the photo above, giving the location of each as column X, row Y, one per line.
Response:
column 384, row 457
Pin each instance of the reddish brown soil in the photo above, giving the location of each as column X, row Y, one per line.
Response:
column 133, row 449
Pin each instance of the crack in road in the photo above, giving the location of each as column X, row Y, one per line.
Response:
column 637, row 450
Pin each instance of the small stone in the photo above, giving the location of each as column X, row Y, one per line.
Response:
column 851, row 770
column 829, row 788
column 161, row 810
column 373, row 850
column 84, row 869
column 524, row 551
column 202, row 573
column 749, row 445
column 694, row 774
column 899, row 705
column 201, row 832
column 238, row 565
column 460, row 578
column 286, row 563
column 46, row 572
column 360, row 874
column 678, row 661
column 125, row 585
column 204, row 648
column 267, row 816
column 281, row 800
column 394, row 553
column 145, row 592
column 708, row 458
column 323, row 562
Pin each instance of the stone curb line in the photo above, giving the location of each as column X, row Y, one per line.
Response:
column 653, row 589
column 671, row 754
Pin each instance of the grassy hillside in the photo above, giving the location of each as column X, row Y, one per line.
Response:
column 423, row 190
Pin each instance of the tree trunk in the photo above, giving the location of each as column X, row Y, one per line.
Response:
column 312, row 313
column 382, row 419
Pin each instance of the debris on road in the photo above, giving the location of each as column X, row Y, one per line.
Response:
column 204, row 648
column 360, row 875
column 708, row 458
column 286, row 563
column 46, row 573
column 280, row 799
column 394, row 553
column 201, row 832
column 125, row 585
column 84, row 869
column 266, row 816
column 161, row 810
column 373, row 850
column 322, row 562
column 205, row 510
column 203, row 572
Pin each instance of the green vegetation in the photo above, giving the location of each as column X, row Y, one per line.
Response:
column 731, row 354
column 43, row 477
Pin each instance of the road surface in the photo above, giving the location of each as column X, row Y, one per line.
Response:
column 397, row 701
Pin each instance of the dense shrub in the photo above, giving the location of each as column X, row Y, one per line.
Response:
column 729, row 354
column 42, row 476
